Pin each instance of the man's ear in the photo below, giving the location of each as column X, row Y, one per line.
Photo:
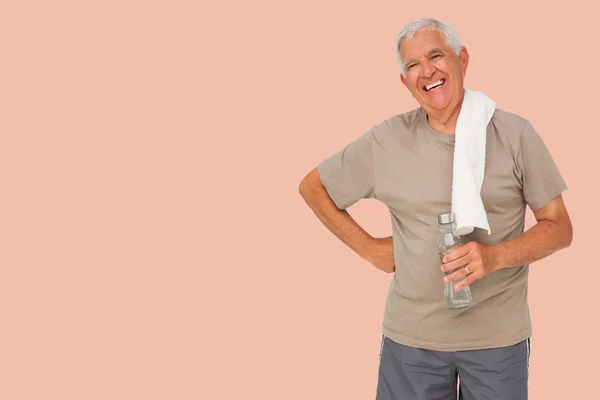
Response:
column 464, row 59
column 403, row 80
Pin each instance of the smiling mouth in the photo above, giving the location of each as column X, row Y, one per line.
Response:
column 434, row 85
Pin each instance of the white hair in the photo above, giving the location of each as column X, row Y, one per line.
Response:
column 409, row 30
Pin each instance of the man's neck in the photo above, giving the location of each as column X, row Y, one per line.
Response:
column 443, row 124
column 445, row 121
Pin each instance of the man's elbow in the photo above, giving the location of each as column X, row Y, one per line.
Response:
column 568, row 234
column 565, row 231
column 303, row 188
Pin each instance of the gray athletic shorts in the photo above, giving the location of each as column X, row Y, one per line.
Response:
column 408, row 373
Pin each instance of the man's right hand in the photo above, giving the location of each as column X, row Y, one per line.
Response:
column 380, row 253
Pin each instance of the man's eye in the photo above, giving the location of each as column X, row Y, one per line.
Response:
column 436, row 56
column 410, row 66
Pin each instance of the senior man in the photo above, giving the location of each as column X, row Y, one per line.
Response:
column 406, row 162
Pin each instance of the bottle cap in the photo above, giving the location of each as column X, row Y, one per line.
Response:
column 446, row 217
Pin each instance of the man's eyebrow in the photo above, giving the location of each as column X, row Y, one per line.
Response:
column 430, row 52
column 407, row 62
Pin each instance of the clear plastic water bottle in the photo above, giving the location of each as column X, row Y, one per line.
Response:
column 449, row 241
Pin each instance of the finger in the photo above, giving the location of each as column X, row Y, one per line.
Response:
column 455, row 275
column 459, row 262
column 459, row 252
column 470, row 278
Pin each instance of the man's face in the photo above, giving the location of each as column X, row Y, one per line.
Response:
column 434, row 74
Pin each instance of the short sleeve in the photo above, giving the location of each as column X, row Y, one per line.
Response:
column 541, row 178
column 348, row 175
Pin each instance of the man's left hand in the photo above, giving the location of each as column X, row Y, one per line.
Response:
column 472, row 260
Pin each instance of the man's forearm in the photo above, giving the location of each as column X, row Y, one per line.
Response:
column 541, row 240
column 339, row 222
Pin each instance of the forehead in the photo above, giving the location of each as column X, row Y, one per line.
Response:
column 422, row 42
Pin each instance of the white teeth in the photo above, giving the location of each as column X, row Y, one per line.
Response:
column 436, row 83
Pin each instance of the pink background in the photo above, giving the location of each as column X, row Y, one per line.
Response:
column 154, row 244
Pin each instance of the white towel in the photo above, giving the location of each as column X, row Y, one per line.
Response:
column 469, row 162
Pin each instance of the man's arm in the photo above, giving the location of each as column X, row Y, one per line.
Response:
column 552, row 232
column 377, row 251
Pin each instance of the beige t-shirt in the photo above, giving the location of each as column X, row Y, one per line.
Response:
column 406, row 164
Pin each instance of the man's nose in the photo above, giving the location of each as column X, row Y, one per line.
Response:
column 427, row 69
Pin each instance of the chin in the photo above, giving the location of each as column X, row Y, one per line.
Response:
column 439, row 105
